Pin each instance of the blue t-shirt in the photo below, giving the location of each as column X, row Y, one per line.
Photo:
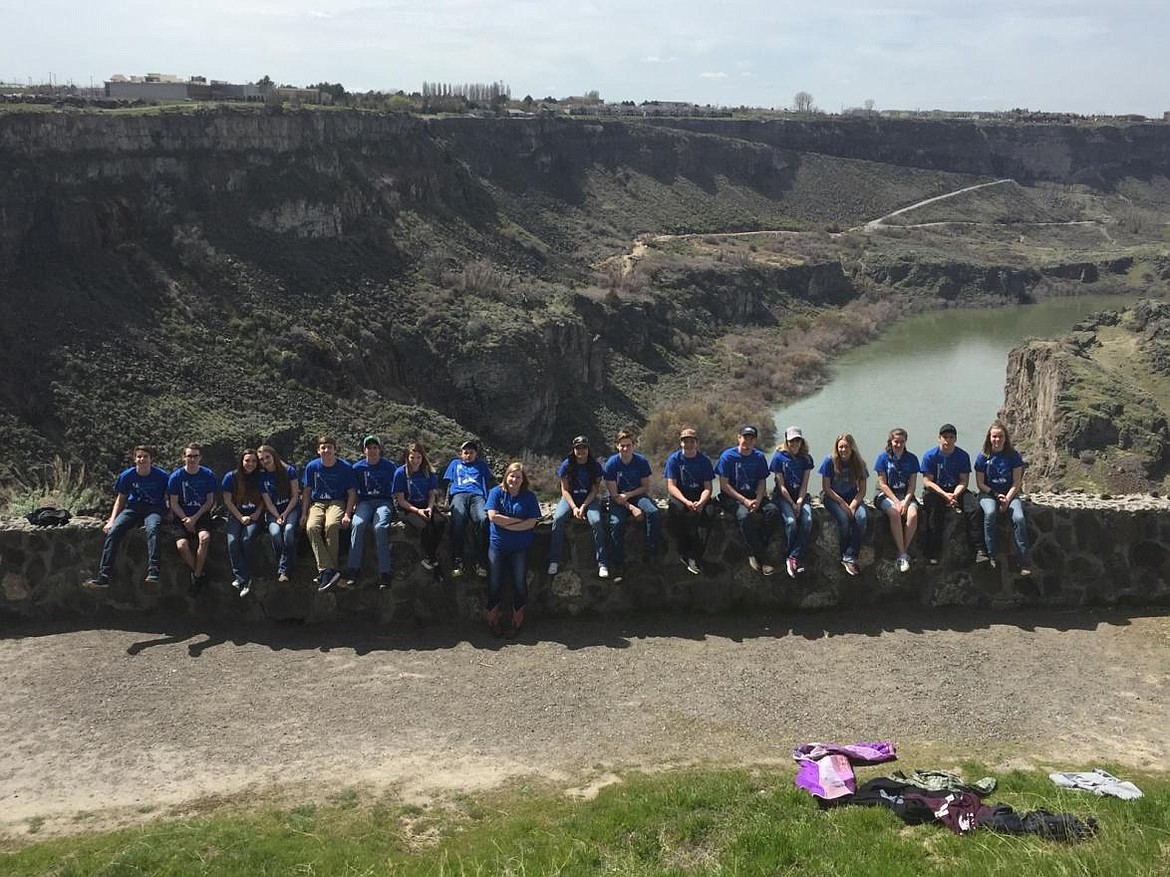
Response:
column 898, row 470
column 946, row 472
column 743, row 472
column 689, row 474
column 417, row 488
column 229, row 484
column 476, row 477
column 191, row 489
column 585, row 478
column 997, row 469
column 328, row 483
column 374, row 482
column 841, row 482
column 270, row 484
column 791, row 470
column 145, row 493
column 627, row 475
column 522, row 505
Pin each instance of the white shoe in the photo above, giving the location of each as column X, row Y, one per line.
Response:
column 903, row 563
column 603, row 571
column 553, row 566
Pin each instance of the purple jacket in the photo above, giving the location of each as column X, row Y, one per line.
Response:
column 826, row 769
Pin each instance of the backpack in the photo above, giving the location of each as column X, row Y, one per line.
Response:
column 47, row 516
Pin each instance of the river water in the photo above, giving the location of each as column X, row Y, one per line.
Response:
column 930, row 369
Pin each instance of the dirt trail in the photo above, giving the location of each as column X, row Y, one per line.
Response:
column 118, row 723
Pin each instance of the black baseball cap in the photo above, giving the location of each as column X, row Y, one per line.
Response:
column 580, row 440
column 748, row 430
column 470, row 445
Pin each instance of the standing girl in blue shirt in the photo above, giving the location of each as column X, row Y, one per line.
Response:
column 513, row 512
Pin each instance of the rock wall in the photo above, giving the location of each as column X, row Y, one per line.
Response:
column 1086, row 552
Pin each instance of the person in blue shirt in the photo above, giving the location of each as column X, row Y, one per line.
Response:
column 843, row 477
column 743, row 491
column 689, row 477
column 946, row 472
column 416, row 491
column 328, row 497
column 580, row 481
column 281, row 493
column 793, row 464
column 897, row 470
column 627, row 478
column 374, row 477
column 513, row 511
column 469, row 480
column 191, row 491
column 140, row 500
column 241, row 498
column 999, row 473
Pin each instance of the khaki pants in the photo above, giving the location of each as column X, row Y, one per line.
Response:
column 323, row 522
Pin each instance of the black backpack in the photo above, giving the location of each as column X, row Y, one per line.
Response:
column 47, row 516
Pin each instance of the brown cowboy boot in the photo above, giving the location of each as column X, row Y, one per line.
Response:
column 492, row 617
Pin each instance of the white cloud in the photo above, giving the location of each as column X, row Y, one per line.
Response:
column 713, row 75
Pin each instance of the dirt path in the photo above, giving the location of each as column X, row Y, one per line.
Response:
column 880, row 222
column 121, row 722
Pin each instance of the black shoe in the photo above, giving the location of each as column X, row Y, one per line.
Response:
column 352, row 576
column 383, row 581
column 99, row 582
column 152, row 577
column 329, row 578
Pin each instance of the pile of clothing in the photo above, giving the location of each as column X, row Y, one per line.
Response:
column 923, row 796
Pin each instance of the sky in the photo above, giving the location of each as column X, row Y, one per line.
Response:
column 1083, row 56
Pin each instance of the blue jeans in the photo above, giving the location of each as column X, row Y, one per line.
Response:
column 381, row 512
column 990, row 507
column 796, row 533
column 239, row 541
column 284, row 540
column 517, row 562
column 561, row 518
column 757, row 528
column 850, row 531
column 618, row 517
column 465, row 508
column 127, row 520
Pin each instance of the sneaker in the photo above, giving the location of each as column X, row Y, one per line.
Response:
column 692, row 565
column 152, row 577
column 981, row 556
column 383, row 580
column 481, row 571
column 283, row 578
column 237, row 584
column 903, row 563
column 767, row 569
column 245, row 589
column 429, row 563
column 993, row 563
column 1025, row 570
column 96, row 583
column 329, row 578
column 800, row 566
column 754, row 563
column 603, row 571
column 553, row 566
column 933, row 561
column 352, row 576
column 791, row 565
column 617, row 574
column 851, row 567
column 456, row 567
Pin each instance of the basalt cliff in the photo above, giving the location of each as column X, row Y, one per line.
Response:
column 233, row 275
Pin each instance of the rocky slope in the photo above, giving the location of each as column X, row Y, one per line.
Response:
column 1090, row 410
column 243, row 275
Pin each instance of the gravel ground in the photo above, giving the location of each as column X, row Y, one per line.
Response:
column 104, row 726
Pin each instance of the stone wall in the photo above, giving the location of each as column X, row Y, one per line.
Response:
column 1086, row 551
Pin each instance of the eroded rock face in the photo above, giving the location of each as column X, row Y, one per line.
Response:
column 1081, row 409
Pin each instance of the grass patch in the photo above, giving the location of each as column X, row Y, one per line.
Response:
column 694, row 822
